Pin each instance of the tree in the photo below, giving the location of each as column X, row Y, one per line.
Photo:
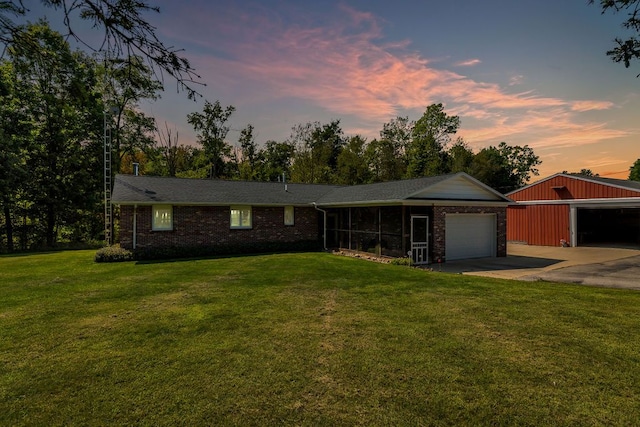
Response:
column 634, row 171
column 588, row 172
column 328, row 143
column 489, row 167
column 627, row 49
column 13, row 127
column 437, row 124
column 57, row 91
column 460, row 156
column 398, row 132
column 521, row 163
column 426, row 155
column 212, row 130
column 352, row 166
column 169, row 149
column 583, row 172
column 125, row 84
column 276, row 159
column 317, row 149
column 249, row 153
column 126, row 34
column 504, row 168
column 383, row 161
column 387, row 156
column 135, row 135
column 426, row 158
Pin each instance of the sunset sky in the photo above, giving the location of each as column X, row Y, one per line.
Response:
column 529, row 72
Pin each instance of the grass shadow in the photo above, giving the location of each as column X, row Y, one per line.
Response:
column 205, row 257
column 511, row 262
column 51, row 251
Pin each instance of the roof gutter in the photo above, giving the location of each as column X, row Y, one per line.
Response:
column 215, row 204
column 621, row 201
column 420, row 202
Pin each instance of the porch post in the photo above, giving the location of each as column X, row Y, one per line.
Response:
column 350, row 228
column 379, row 231
column 573, row 226
column 404, row 226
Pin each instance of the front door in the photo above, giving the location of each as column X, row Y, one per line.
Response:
column 420, row 239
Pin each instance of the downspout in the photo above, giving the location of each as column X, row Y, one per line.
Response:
column 324, row 232
column 135, row 225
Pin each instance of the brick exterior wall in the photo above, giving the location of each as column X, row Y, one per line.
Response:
column 209, row 226
column 439, row 222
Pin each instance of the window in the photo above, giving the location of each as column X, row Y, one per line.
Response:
column 162, row 217
column 289, row 218
column 240, row 216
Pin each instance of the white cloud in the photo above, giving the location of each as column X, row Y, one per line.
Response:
column 516, row 80
column 468, row 63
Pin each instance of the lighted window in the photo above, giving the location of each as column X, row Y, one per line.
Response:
column 162, row 217
column 289, row 216
column 240, row 216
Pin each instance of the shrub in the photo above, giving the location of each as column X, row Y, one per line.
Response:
column 402, row 261
column 113, row 253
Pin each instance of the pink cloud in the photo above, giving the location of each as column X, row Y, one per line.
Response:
column 555, row 128
column 591, row 105
column 343, row 66
column 605, row 160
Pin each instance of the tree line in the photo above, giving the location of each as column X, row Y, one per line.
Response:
column 321, row 153
column 52, row 116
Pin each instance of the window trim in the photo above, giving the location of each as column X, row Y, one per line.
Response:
column 154, row 210
column 293, row 216
column 240, row 208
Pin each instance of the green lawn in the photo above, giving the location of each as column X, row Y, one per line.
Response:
column 307, row 339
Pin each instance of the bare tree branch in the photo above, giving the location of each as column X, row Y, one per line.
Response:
column 126, row 34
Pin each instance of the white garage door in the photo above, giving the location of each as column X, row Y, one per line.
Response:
column 470, row 236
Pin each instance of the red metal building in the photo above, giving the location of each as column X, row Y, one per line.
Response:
column 575, row 210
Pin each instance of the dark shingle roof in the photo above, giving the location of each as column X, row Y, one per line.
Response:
column 130, row 189
column 382, row 191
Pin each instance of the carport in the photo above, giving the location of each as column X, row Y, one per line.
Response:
column 608, row 226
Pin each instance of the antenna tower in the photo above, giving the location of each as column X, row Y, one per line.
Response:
column 108, row 212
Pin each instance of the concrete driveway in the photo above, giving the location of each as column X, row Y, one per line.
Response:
column 609, row 267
